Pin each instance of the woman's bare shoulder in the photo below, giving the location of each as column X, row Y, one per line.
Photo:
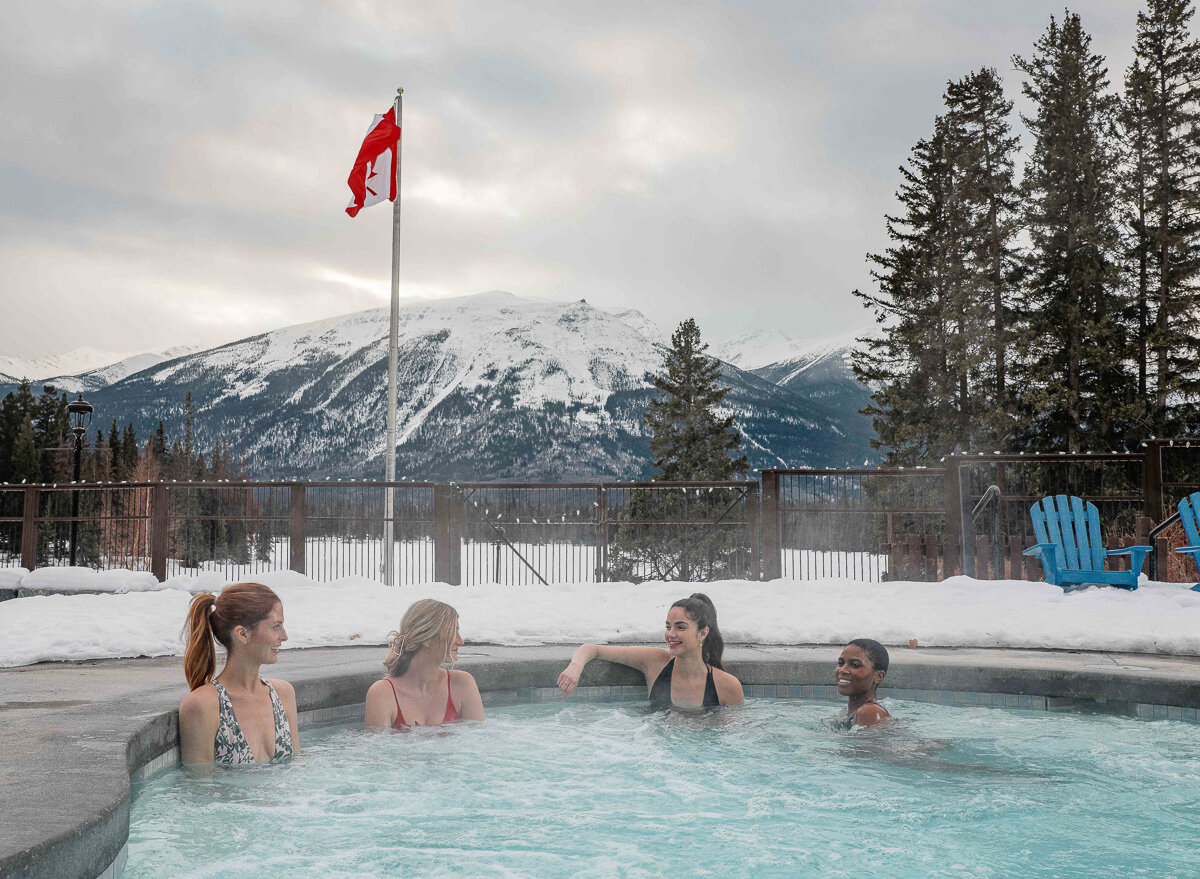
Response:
column 283, row 688
column 200, row 702
column 729, row 688
column 380, row 686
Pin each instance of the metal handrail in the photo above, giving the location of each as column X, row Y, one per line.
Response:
column 992, row 494
column 1154, row 532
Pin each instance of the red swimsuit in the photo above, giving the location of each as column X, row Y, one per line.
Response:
column 451, row 711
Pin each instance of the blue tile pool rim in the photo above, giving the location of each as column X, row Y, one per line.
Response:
column 75, row 824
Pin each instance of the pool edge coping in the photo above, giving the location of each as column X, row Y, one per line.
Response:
column 151, row 736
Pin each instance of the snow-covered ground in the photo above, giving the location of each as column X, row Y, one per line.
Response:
column 959, row 612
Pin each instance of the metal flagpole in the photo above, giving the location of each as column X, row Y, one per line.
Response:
column 389, row 531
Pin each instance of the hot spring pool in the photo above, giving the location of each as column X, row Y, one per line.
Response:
column 603, row 790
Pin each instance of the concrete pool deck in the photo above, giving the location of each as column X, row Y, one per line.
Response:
column 74, row 733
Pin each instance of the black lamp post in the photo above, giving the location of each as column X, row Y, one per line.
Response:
column 81, row 416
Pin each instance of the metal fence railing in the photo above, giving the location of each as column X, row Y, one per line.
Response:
column 969, row 516
column 472, row 533
column 858, row 524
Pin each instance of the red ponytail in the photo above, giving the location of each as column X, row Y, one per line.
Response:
column 213, row 618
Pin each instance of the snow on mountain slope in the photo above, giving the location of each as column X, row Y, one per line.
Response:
column 68, row 364
column 490, row 386
column 760, row 348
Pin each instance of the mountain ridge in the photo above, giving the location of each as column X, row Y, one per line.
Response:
column 491, row 386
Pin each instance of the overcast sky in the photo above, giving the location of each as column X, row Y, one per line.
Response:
column 175, row 172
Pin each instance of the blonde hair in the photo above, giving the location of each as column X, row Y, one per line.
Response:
column 423, row 622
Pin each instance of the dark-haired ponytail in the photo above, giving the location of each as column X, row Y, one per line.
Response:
column 200, row 658
column 704, row 614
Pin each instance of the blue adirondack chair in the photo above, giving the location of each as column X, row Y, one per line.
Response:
column 1070, row 547
column 1189, row 510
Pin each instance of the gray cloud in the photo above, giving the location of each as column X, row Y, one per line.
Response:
column 175, row 172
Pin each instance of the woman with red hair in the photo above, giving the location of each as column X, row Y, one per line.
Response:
column 236, row 717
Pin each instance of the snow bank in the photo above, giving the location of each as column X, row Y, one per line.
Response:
column 10, row 578
column 77, row 579
column 959, row 612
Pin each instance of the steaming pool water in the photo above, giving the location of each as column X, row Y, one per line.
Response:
column 766, row 790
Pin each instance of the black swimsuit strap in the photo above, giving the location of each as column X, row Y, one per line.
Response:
column 711, row 700
column 660, row 692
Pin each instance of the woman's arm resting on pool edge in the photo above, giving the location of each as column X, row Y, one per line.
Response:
column 199, row 717
column 641, row 658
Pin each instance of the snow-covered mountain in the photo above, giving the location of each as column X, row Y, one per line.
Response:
column 824, row 369
column 113, row 368
column 490, row 387
column 81, row 360
column 760, row 348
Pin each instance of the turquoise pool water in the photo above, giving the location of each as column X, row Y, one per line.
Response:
column 606, row 790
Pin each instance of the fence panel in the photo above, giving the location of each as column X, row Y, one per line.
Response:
column 522, row 534
column 1113, row 482
column 682, row 531
column 12, row 504
column 112, row 529
column 861, row 524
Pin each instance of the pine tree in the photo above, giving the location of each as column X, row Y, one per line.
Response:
column 689, row 440
column 1075, row 384
column 16, row 407
column 50, row 427
column 1168, row 58
column 922, row 368
column 114, row 453
column 984, row 151
column 25, row 464
column 1136, row 126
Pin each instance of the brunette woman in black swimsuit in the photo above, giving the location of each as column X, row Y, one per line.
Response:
column 860, row 671
column 688, row 674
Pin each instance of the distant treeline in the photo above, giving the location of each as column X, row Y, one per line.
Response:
column 36, row 445
column 1060, row 310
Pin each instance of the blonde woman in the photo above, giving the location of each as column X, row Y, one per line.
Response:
column 415, row 689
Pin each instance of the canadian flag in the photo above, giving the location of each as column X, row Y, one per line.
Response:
column 373, row 178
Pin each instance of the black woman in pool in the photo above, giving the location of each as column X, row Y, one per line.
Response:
column 688, row 674
column 238, row 716
column 860, row 671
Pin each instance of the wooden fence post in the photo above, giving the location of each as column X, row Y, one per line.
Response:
column 601, row 509
column 772, row 558
column 160, row 524
column 448, row 513
column 1152, row 478
column 754, row 522
column 953, row 533
column 29, row 536
column 297, row 502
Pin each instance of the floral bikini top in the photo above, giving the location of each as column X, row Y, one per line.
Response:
column 231, row 747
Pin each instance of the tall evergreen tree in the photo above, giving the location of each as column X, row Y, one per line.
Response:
column 924, row 367
column 25, row 464
column 1075, row 385
column 1168, row 58
column 984, row 150
column 1136, row 125
column 689, row 439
